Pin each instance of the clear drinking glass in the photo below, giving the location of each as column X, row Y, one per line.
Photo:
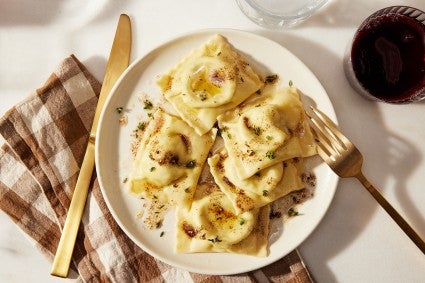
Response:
column 386, row 59
column 276, row 14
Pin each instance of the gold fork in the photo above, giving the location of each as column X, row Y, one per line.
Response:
column 346, row 161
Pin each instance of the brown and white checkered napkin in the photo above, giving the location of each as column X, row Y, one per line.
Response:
column 46, row 136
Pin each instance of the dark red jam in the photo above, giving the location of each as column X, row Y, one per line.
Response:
column 388, row 57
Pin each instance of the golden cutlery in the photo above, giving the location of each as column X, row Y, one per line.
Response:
column 117, row 63
column 346, row 161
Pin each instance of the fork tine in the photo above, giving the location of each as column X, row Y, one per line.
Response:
column 335, row 142
column 325, row 136
column 332, row 127
column 323, row 139
column 323, row 148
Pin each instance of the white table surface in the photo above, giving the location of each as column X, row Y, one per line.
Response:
column 356, row 241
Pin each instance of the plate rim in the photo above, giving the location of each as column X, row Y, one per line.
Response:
column 139, row 60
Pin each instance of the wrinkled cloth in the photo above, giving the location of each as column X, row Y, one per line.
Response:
column 46, row 136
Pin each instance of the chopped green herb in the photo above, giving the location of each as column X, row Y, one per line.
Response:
column 257, row 131
column 191, row 164
column 229, row 136
column 141, row 126
column 119, row 110
column 293, row 212
column 215, row 240
column 269, row 138
column 219, row 53
column 158, row 224
column 270, row 154
column 150, row 115
column 162, row 234
column 291, row 83
column 258, row 105
column 152, row 169
column 265, row 193
column 187, row 190
column 125, row 180
column 242, row 221
column 203, row 96
column 147, row 104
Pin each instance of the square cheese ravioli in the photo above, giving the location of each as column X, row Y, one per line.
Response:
column 264, row 187
column 212, row 79
column 266, row 130
column 169, row 160
column 212, row 225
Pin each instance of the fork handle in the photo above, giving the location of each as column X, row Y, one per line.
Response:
column 392, row 212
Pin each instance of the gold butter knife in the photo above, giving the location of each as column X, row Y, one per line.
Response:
column 117, row 63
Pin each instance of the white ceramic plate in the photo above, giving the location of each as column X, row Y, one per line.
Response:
column 113, row 157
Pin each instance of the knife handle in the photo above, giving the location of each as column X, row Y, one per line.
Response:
column 65, row 248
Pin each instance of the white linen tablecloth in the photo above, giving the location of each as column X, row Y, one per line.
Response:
column 356, row 241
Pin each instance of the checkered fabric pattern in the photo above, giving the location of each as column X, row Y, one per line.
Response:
column 46, row 136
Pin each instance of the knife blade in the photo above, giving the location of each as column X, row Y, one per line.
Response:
column 118, row 61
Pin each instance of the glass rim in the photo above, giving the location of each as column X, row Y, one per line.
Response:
column 279, row 16
column 409, row 11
